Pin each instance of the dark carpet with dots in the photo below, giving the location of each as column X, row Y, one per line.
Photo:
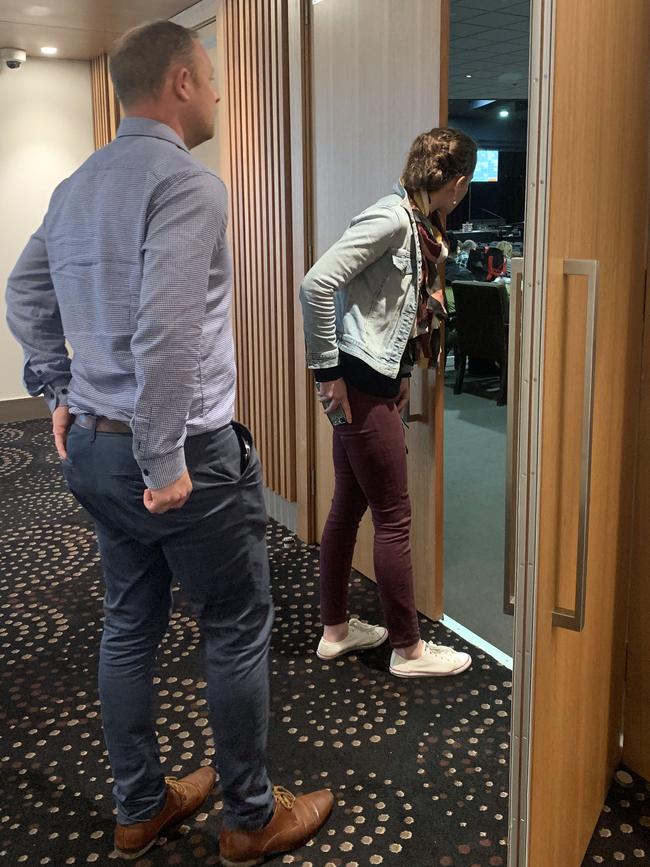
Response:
column 419, row 769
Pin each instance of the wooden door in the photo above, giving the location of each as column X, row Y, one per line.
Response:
column 375, row 86
column 594, row 192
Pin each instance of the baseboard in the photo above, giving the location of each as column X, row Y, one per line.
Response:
column 281, row 510
column 23, row 409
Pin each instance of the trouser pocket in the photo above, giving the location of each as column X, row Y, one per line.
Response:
column 245, row 438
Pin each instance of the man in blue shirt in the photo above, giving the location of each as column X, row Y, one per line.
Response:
column 131, row 267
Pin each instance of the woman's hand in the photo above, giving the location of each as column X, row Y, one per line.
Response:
column 439, row 305
column 334, row 394
column 404, row 393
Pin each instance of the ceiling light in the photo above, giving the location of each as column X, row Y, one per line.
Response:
column 504, row 113
column 49, row 50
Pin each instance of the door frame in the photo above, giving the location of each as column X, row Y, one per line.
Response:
column 300, row 98
column 527, row 448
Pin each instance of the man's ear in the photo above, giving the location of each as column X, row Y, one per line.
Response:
column 181, row 78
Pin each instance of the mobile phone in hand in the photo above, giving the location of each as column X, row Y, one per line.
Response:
column 336, row 417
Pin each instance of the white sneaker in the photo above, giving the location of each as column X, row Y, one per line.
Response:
column 361, row 636
column 436, row 661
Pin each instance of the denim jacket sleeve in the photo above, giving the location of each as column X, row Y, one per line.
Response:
column 369, row 236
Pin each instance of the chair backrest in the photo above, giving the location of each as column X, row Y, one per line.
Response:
column 481, row 319
column 477, row 263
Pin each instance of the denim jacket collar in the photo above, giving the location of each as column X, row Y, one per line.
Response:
column 400, row 191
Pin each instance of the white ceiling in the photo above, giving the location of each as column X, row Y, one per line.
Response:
column 489, row 38
column 80, row 29
column 489, row 41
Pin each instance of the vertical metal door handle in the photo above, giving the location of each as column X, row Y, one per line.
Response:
column 567, row 618
column 512, row 433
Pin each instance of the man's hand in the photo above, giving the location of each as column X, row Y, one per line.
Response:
column 61, row 423
column 404, row 393
column 334, row 394
column 172, row 496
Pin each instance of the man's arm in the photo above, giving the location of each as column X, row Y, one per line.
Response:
column 186, row 222
column 35, row 321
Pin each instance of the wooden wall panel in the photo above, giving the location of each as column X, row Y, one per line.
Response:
column 106, row 107
column 256, row 73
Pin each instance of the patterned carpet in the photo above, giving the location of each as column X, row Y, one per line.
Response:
column 419, row 769
column 622, row 835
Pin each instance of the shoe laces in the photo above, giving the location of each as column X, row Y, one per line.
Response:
column 176, row 786
column 284, row 796
column 362, row 625
column 438, row 649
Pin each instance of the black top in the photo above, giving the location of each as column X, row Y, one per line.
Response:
column 361, row 376
column 454, row 271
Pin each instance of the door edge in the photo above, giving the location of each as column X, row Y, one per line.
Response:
column 528, row 447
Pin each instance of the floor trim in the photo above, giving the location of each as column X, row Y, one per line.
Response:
column 281, row 510
column 23, row 409
column 499, row 655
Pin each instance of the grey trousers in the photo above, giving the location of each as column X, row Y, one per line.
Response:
column 215, row 548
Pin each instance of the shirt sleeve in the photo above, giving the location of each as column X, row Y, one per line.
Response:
column 369, row 236
column 186, row 225
column 34, row 319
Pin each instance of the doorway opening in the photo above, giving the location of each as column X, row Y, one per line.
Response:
column 488, row 99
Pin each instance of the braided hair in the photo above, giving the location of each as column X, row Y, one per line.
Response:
column 436, row 157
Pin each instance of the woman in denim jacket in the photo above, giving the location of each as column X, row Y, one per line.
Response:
column 371, row 304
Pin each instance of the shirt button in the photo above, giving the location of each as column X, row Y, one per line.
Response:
column 64, row 391
column 145, row 472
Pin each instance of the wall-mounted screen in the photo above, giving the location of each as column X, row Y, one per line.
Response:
column 487, row 166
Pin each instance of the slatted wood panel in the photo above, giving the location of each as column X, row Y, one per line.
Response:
column 256, row 56
column 106, row 107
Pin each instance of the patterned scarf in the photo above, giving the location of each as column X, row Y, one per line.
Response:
column 434, row 245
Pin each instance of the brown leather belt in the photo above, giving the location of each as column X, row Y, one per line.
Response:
column 101, row 424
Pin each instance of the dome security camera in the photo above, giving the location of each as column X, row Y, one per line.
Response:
column 13, row 58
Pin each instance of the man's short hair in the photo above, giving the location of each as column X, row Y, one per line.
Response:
column 142, row 57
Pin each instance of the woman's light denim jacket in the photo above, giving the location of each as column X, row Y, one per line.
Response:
column 361, row 296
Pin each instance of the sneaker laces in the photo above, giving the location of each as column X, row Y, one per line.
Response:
column 284, row 796
column 362, row 625
column 438, row 649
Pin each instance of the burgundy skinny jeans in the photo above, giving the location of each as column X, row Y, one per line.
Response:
column 370, row 470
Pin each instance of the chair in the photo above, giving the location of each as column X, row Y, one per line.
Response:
column 481, row 329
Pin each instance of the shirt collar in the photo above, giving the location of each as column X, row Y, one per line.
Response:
column 145, row 126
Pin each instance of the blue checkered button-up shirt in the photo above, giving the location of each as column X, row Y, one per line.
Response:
column 132, row 268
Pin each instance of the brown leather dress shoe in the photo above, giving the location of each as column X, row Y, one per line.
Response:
column 184, row 797
column 294, row 822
